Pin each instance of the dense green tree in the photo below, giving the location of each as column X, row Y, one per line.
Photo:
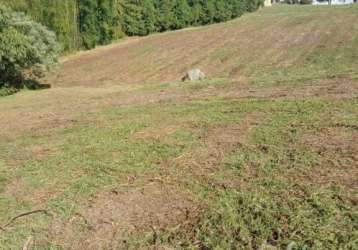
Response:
column 222, row 11
column 132, row 19
column 65, row 25
column 208, row 12
column 59, row 16
column 252, row 5
column 27, row 49
column 238, row 7
column 105, row 21
column 87, row 23
column 197, row 12
column 149, row 17
column 181, row 14
column 166, row 16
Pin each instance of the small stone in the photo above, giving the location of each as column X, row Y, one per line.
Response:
column 193, row 75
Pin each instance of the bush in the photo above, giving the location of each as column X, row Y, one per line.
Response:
column 27, row 49
column 7, row 91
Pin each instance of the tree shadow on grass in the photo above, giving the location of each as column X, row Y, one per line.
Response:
column 17, row 83
column 33, row 84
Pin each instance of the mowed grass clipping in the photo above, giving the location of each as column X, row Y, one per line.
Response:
column 263, row 161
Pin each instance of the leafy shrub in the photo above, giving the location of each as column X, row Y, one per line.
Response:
column 7, row 91
column 27, row 49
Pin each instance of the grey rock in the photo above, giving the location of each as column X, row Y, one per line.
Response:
column 193, row 75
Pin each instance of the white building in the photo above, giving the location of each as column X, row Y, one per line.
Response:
column 267, row 3
column 271, row 2
column 333, row 2
column 314, row 2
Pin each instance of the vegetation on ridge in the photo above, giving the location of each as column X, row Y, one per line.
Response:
column 87, row 23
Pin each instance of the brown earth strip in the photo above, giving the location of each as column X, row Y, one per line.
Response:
column 338, row 148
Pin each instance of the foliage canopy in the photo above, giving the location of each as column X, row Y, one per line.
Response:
column 27, row 48
column 87, row 23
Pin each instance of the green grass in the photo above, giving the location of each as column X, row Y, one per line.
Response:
column 263, row 186
column 274, row 207
column 280, row 210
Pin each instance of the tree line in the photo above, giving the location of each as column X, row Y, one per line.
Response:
column 84, row 24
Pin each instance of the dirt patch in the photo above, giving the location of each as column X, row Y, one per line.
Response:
column 204, row 162
column 338, row 149
column 21, row 191
column 329, row 88
column 334, row 141
column 157, row 133
column 110, row 218
column 228, row 136
column 16, row 189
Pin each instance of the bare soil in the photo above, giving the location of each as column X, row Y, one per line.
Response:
column 338, row 147
column 110, row 218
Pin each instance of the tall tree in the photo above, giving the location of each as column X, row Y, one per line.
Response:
column 181, row 14
column 222, row 11
column 209, row 12
column 197, row 12
column 166, row 16
column 132, row 18
column 149, row 17
column 108, row 21
column 88, row 22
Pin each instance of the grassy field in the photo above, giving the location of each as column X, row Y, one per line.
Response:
column 119, row 154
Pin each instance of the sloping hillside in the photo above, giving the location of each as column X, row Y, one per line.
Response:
column 267, row 46
column 119, row 154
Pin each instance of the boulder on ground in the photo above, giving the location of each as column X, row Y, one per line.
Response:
column 193, row 75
